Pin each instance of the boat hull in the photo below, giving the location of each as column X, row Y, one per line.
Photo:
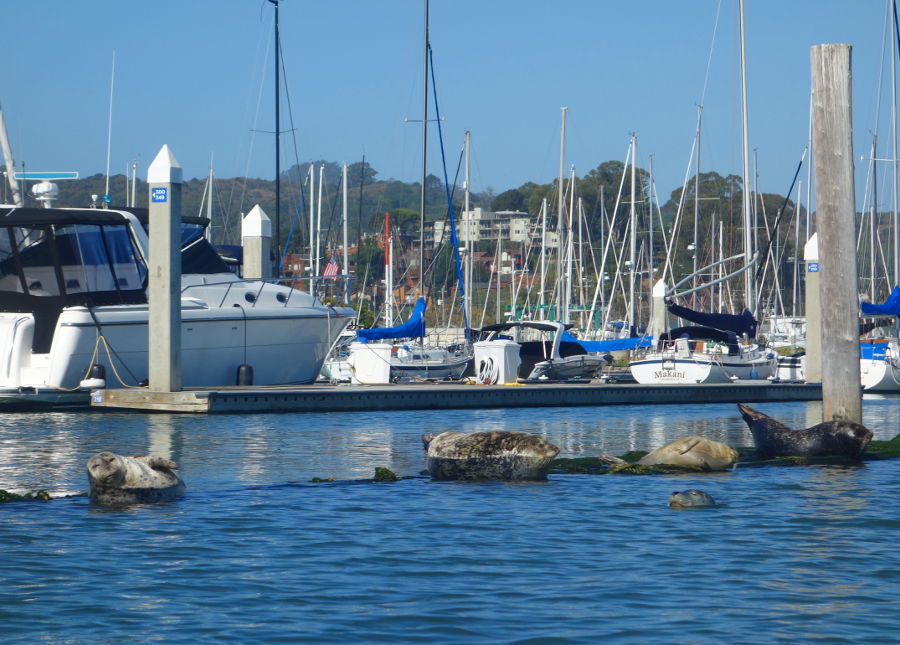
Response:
column 702, row 367
column 282, row 346
column 879, row 375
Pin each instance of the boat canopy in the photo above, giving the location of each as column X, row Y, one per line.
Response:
column 890, row 307
column 51, row 259
column 744, row 323
column 613, row 345
column 412, row 328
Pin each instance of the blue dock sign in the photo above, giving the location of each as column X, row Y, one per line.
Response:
column 160, row 194
column 812, row 267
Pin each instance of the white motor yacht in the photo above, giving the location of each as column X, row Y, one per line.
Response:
column 73, row 311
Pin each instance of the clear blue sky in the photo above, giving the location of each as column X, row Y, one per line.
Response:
column 197, row 75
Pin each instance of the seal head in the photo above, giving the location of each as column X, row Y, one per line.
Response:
column 691, row 498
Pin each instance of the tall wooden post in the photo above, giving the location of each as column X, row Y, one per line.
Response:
column 835, row 222
column 164, row 292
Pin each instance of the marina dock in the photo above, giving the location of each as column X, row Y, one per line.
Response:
column 443, row 396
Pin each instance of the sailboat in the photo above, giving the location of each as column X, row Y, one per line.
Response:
column 411, row 360
column 722, row 347
column 879, row 359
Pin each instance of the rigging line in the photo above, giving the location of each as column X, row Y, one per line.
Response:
column 784, row 203
column 253, row 130
column 301, row 199
column 712, row 45
column 459, row 276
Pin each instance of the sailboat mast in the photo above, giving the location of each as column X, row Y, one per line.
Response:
column 632, row 234
column 277, row 144
column 10, row 164
column 209, row 201
column 346, row 251
column 319, row 218
column 749, row 275
column 312, row 223
column 467, row 300
column 541, row 301
column 896, row 220
column 424, row 157
column 561, row 230
column 696, row 209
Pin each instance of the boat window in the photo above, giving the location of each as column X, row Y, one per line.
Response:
column 36, row 259
column 98, row 258
column 190, row 232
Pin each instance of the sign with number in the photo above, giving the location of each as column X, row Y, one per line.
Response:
column 159, row 195
column 812, row 267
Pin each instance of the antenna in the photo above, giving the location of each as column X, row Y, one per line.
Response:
column 112, row 83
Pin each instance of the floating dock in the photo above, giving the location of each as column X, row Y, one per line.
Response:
column 443, row 396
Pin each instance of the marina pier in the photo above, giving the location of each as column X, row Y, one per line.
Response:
column 443, row 396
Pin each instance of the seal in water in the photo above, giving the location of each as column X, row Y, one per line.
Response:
column 693, row 451
column 691, row 498
column 832, row 438
column 117, row 480
column 488, row 456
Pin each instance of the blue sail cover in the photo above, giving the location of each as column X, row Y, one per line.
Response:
column 412, row 328
column 742, row 324
column 603, row 346
column 890, row 307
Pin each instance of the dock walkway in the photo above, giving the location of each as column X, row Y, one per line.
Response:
column 443, row 396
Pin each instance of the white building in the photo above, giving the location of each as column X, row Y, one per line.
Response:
column 478, row 225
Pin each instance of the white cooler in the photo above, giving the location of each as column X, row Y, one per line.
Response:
column 497, row 361
column 370, row 363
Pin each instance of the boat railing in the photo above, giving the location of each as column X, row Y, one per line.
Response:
column 319, row 288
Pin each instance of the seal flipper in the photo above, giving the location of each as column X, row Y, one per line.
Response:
column 752, row 416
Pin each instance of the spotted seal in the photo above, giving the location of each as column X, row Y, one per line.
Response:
column 498, row 455
column 693, row 451
column 832, row 438
column 691, row 498
column 117, row 480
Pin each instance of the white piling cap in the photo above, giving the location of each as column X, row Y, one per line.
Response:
column 811, row 249
column 164, row 169
column 660, row 289
column 256, row 223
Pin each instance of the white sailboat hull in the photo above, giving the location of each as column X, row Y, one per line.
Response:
column 880, row 375
column 688, row 363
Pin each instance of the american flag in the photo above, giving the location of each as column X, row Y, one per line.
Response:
column 332, row 268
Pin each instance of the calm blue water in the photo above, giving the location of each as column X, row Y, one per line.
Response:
column 256, row 554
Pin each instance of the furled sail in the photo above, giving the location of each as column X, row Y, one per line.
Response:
column 412, row 328
column 744, row 323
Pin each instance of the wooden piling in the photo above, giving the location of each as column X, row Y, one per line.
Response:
column 835, row 223
column 164, row 282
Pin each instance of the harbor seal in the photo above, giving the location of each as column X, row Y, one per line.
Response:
column 695, row 452
column 499, row 455
column 832, row 438
column 117, row 480
column 691, row 498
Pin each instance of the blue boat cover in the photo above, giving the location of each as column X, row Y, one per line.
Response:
column 603, row 346
column 890, row 307
column 412, row 328
column 745, row 323
column 873, row 349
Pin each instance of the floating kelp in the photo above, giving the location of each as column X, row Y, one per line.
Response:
column 40, row 495
column 883, row 449
column 385, row 475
